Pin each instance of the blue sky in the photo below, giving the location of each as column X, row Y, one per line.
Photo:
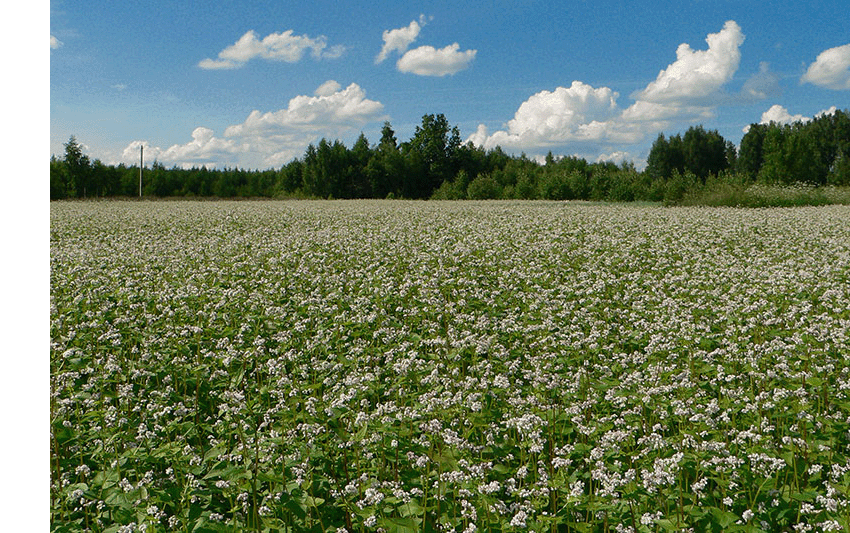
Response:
column 251, row 84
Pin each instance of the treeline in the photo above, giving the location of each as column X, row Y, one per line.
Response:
column 813, row 153
column 76, row 176
column 434, row 163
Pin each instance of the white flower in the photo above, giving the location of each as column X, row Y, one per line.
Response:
column 518, row 519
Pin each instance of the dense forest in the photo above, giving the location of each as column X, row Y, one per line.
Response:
column 434, row 163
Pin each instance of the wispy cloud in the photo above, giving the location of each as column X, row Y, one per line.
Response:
column 400, row 39
column 274, row 47
column 55, row 43
column 424, row 60
column 831, row 69
column 762, row 85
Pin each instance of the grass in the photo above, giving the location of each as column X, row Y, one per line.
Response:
column 336, row 366
column 736, row 195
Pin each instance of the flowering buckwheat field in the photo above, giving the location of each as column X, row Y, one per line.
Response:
column 425, row 366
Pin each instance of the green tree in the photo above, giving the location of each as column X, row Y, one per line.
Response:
column 60, row 179
column 386, row 166
column 358, row 161
column 665, row 157
column 326, row 169
column 731, row 155
column 774, row 165
column 704, row 152
column 78, row 168
column 436, row 145
column 751, row 155
column 290, row 177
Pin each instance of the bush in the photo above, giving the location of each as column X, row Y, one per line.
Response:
column 483, row 187
column 554, row 186
column 680, row 185
column 526, row 186
column 448, row 190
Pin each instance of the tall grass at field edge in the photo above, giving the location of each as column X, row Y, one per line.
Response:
column 724, row 194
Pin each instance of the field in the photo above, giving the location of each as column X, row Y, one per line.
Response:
column 401, row 366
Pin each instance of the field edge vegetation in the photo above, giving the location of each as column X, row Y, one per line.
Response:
column 805, row 163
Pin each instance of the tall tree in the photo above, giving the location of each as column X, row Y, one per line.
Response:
column 664, row 157
column 436, row 144
column 751, row 155
column 60, row 180
column 385, row 169
column 704, row 151
column 774, row 165
column 78, row 167
column 358, row 161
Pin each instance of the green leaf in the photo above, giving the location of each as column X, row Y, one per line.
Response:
column 723, row 518
column 400, row 525
column 204, row 525
column 667, row 525
column 310, row 501
column 409, row 509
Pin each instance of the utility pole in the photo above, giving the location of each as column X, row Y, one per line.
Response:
column 141, row 166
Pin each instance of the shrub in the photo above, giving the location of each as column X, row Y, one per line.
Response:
column 483, row 187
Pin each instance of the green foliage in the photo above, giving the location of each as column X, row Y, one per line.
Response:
column 736, row 191
column 455, row 189
column 60, row 179
column 665, row 157
column 434, row 164
column 78, row 167
column 699, row 152
column 435, row 145
column 483, row 187
column 704, row 152
column 554, row 186
column 814, row 152
column 433, row 366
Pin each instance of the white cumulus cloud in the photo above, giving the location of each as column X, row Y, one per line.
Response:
column 204, row 149
column 429, row 61
column 275, row 47
column 618, row 157
column 273, row 138
column 55, row 43
column 831, row 69
column 328, row 88
column 825, row 112
column 697, row 75
column 780, row 115
column 580, row 116
column 575, row 113
column 400, row 39
column 340, row 108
